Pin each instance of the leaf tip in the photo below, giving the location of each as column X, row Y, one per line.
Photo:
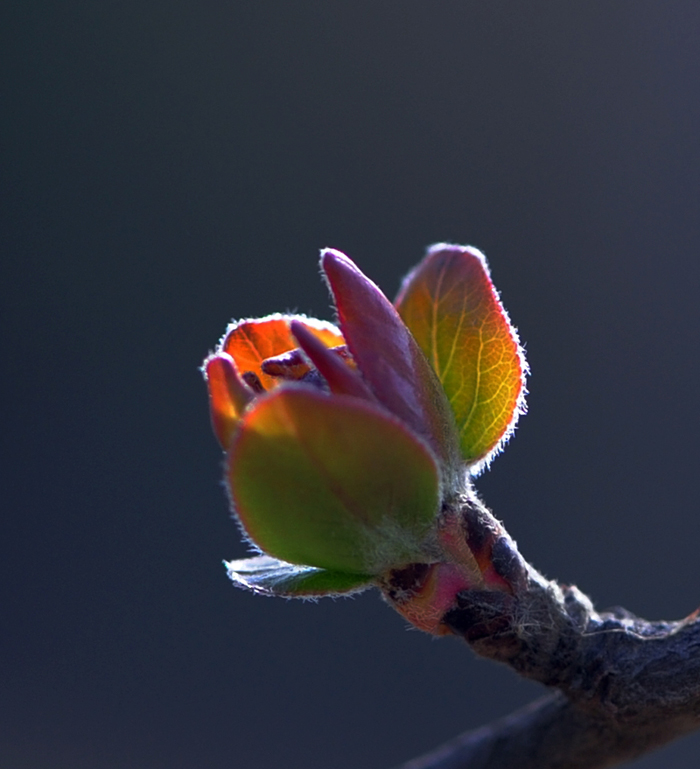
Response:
column 455, row 313
column 229, row 395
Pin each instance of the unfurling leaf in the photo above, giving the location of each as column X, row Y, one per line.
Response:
column 453, row 311
column 341, row 378
column 391, row 361
column 332, row 481
column 228, row 395
column 250, row 342
column 348, row 450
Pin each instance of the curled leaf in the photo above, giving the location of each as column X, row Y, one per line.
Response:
column 250, row 342
column 332, row 482
column 453, row 311
column 341, row 378
column 228, row 395
column 391, row 361
column 269, row 576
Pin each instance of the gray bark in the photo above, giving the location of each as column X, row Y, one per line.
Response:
column 621, row 685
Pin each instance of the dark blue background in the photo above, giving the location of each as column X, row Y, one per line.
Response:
column 168, row 166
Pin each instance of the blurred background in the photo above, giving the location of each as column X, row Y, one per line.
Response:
column 166, row 167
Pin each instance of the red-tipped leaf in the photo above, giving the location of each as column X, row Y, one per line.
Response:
column 453, row 311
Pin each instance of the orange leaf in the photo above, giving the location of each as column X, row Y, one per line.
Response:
column 228, row 395
column 453, row 311
column 250, row 342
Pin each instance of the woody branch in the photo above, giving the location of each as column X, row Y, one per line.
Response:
column 621, row 685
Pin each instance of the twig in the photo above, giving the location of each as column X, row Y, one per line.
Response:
column 624, row 686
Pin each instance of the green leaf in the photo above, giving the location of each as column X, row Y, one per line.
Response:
column 453, row 311
column 272, row 577
column 332, row 481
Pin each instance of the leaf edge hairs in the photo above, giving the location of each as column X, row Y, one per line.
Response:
column 348, row 445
